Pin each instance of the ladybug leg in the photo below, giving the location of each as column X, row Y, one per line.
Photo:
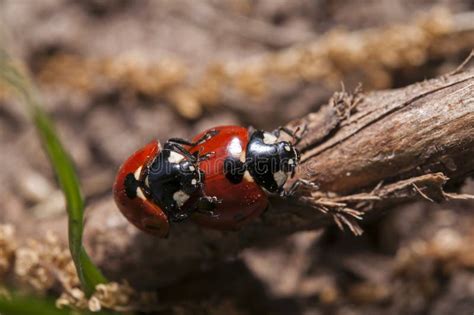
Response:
column 304, row 130
column 180, row 149
column 208, row 135
column 296, row 184
column 180, row 141
column 292, row 134
column 207, row 205
column 293, row 173
column 213, row 199
column 205, row 156
column 205, row 137
column 179, row 217
column 281, row 129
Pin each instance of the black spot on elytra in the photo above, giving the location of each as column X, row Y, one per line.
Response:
column 234, row 170
column 131, row 185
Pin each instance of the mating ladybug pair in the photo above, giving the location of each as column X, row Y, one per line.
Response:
column 219, row 179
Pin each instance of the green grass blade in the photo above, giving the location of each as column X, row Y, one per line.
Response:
column 21, row 305
column 88, row 273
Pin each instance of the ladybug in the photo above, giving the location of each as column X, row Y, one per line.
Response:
column 235, row 165
column 153, row 185
column 246, row 164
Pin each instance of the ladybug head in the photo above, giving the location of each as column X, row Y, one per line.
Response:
column 289, row 155
column 131, row 198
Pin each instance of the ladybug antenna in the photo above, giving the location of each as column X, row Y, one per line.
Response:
column 297, row 139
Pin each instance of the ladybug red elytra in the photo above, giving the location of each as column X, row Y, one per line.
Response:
column 242, row 199
column 220, row 179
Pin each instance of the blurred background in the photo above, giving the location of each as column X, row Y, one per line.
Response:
column 115, row 74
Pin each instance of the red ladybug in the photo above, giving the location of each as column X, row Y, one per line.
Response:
column 154, row 184
column 131, row 199
column 244, row 165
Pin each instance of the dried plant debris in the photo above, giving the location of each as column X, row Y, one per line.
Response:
column 7, row 248
column 115, row 296
column 346, row 210
column 373, row 54
column 346, row 103
column 41, row 266
column 44, row 264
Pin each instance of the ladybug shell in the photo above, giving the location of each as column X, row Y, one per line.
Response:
column 241, row 202
column 140, row 211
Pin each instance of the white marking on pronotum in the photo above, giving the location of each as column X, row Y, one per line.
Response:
column 137, row 173
column 193, row 181
column 287, row 148
column 242, row 157
column 248, row 177
column 191, row 168
column 280, row 178
column 175, row 157
column 268, row 138
column 180, row 197
column 140, row 194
